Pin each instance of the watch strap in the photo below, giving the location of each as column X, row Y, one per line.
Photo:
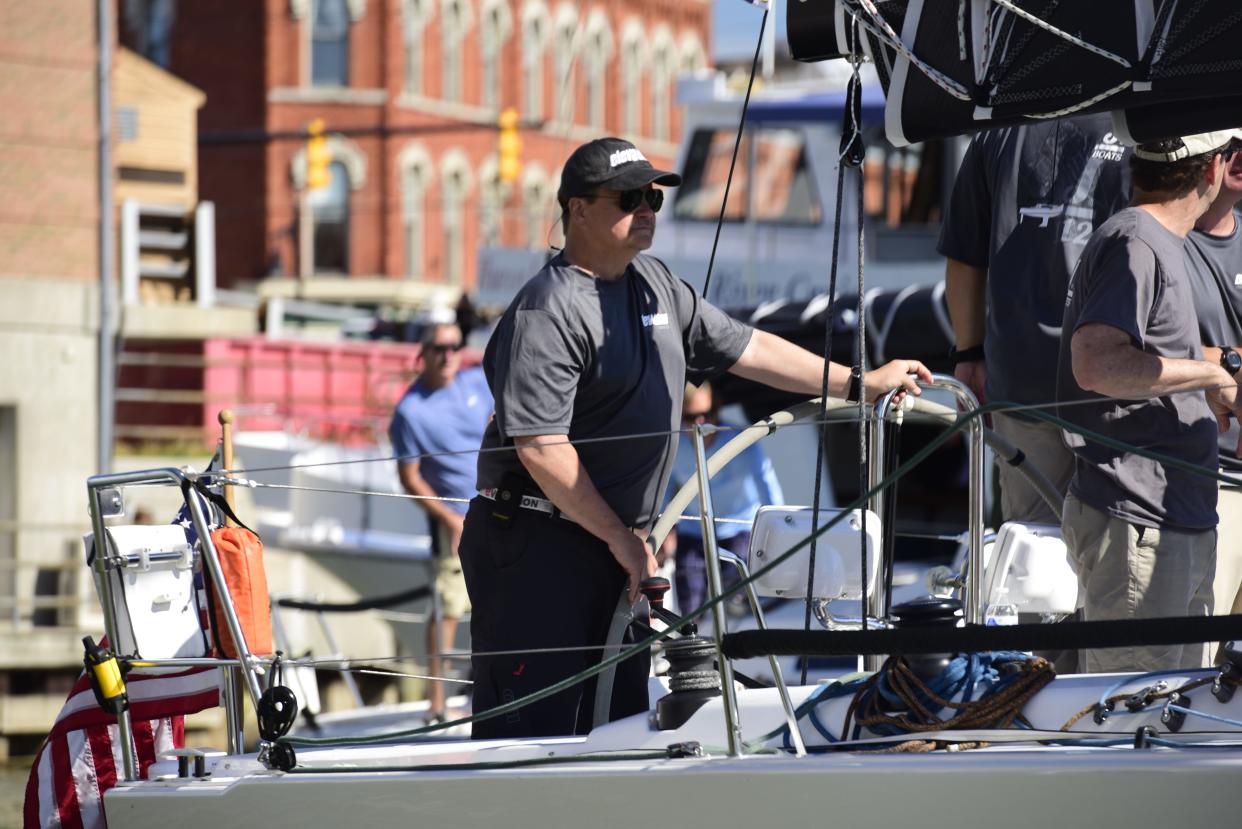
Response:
column 966, row 355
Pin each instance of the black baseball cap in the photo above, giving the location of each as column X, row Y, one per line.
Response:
column 609, row 162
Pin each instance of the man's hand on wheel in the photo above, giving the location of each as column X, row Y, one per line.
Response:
column 634, row 556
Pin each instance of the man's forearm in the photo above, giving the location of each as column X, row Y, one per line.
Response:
column 776, row 362
column 415, row 484
column 1128, row 373
column 554, row 464
column 965, row 292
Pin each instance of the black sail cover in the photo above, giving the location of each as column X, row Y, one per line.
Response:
column 950, row 67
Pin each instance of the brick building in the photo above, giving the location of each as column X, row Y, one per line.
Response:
column 409, row 91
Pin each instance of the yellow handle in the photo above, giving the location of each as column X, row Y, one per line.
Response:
column 108, row 676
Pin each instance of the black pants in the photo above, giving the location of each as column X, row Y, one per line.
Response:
column 542, row 582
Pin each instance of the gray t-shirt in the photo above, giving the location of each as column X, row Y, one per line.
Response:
column 589, row 358
column 1025, row 202
column 1132, row 277
column 1215, row 265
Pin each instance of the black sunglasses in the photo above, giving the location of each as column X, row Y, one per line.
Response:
column 1231, row 149
column 629, row 200
column 442, row 348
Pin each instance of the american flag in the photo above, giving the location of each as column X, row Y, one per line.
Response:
column 81, row 757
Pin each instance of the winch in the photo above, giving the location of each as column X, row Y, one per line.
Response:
column 693, row 677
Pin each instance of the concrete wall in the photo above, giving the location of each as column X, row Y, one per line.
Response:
column 47, row 378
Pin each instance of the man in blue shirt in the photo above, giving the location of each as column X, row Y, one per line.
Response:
column 738, row 491
column 435, row 432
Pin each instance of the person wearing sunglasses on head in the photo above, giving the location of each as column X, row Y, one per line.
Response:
column 1214, row 259
column 1140, row 531
column 588, row 367
column 435, row 433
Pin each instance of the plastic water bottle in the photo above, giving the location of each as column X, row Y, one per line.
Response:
column 1001, row 611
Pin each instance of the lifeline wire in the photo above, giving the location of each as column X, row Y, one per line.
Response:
column 232, row 476
column 654, row 636
column 959, row 425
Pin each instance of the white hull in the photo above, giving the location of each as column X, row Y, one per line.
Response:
column 1016, row 785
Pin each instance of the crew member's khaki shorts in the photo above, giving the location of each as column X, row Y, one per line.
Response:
column 450, row 583
column 1045, row 450
column 1126, row 571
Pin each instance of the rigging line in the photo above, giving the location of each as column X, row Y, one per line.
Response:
column 234, row 475
column 480, row 450
column 830, row 324
column 737, row 143
column 654, row 636
column 399, row 674
column 1066, row 36
column 884, row 32
column 864, row 455
column 1072, row 108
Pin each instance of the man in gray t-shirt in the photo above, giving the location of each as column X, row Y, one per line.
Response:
column 1025, row 202
column 1214, row 259
column 588, row 367
column 1140, row 531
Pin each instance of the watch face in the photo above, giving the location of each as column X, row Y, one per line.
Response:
column 1231, row 360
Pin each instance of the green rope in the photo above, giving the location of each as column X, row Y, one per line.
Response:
column 963, row 420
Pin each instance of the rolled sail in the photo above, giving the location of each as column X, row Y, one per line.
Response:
column 951, row 67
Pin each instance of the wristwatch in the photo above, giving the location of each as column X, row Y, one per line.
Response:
column 966, row 355
column 1231, row 361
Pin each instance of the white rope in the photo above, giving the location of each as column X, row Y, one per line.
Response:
column 1070, row 110
column 1066, row 36
column 428, row 678
column 961, row 29
column 884, row 32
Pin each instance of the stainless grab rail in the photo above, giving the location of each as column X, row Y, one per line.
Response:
column 251, row 667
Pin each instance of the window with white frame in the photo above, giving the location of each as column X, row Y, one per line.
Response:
column 537, row 199
column 534, row 43
column 330, row 43
column 597, row 55
column 415, row 15
column 693, row 57
column 414, row 169
column 330, row 216
column 491, row 203
column 454, row 187
column 632, row 59
column 566, row 46
column 454, row 23
column 496, row 26
column 663, row 65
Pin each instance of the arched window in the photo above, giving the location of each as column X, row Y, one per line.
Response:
column 414, row 170
column 663, row 67
column 693, row 57
column 596, row 56
column 496, row 27
column 455, row 21
column 330, row 43
column 566, row 47
column 633, row 56
column 454, row 187
column 330, row 216
column 537, row 201
column 491, row 203
column 415, row 15
column 534, row 42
